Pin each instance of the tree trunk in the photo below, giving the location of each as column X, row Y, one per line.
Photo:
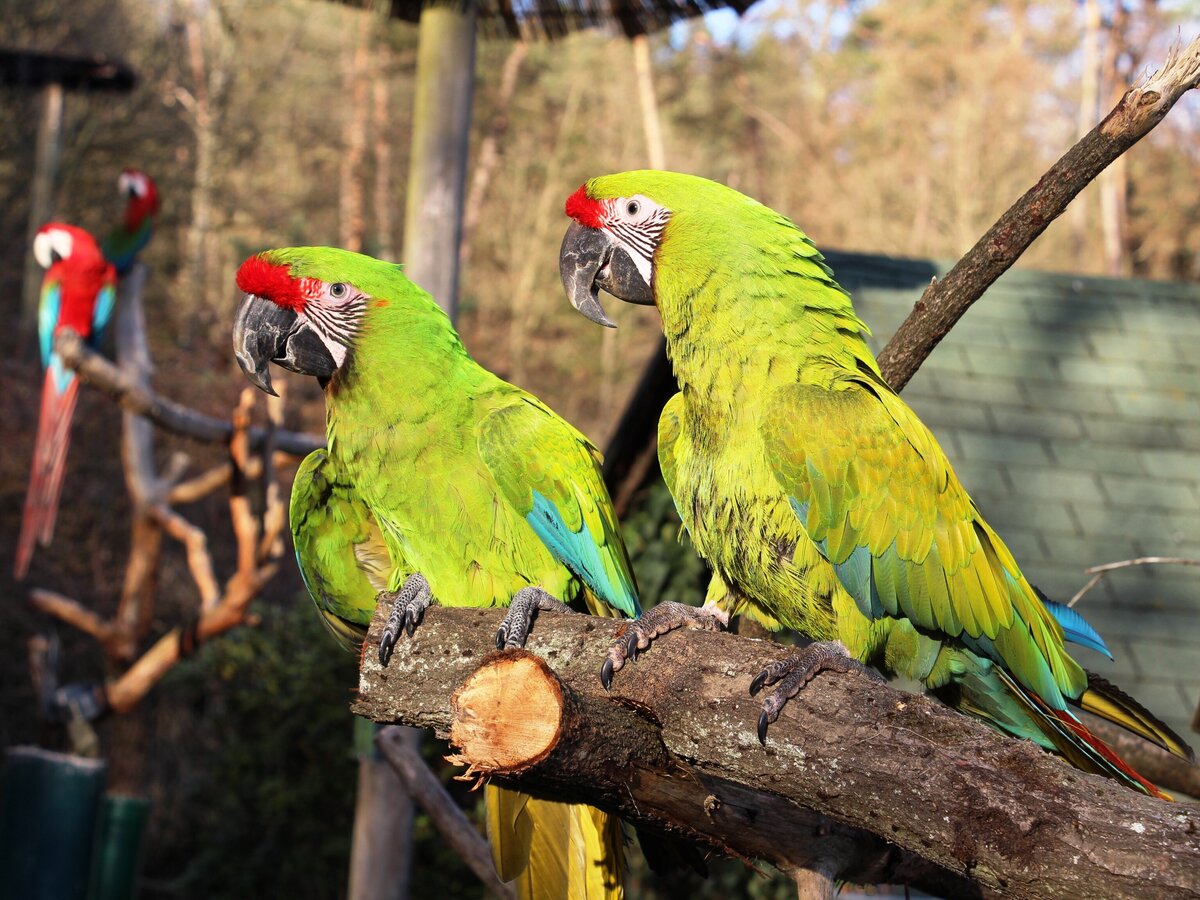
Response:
column 673, row 746
column 41, row 202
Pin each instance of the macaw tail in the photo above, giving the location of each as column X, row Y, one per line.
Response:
column 554, row 851
column 993, row 695
column 49, row 466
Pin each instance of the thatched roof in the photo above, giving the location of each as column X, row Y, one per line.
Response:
column 27, row 68
column 532, row 19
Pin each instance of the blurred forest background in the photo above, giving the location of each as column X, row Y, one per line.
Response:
column 902, row 127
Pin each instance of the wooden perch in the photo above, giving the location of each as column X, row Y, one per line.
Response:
column 168, row 415
column 943, row 303
column 674, row 746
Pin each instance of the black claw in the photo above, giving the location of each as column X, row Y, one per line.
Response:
column 762, row 728
column 606, row 674
column 759, row 681
column 386, row 643
column 631, row 647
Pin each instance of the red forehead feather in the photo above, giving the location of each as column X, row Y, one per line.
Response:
column 584, row 210
column 273, row 281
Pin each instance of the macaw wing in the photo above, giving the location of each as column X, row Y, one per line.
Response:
column 879, row 499
column 106, row 301
column 550, row 474
column 339, row 548
column 48, row 306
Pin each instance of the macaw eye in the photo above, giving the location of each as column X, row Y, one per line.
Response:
column 337, row 290
column 633, row 207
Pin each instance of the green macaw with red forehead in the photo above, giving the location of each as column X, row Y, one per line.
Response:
column 820, row 500
column 440, row 482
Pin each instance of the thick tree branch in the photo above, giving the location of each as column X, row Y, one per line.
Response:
column 674, row 746
column 944, row 302
column 171, row 416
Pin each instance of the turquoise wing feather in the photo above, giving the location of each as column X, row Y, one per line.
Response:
column 550, row 473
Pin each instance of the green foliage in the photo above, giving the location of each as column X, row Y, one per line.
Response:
column 271, row 812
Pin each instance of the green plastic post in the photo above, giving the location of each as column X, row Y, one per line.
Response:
column 48, row 809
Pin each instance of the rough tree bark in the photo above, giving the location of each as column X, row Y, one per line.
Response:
column 674, row 746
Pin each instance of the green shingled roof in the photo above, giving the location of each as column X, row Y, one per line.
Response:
column 1070, row 407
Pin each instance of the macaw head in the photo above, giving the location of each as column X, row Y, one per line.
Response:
column 60, row 249
column 306, row 307
column 653, row 238
column 142, row 193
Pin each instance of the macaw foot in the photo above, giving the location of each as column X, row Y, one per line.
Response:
column 794, row 672
column 658, row 621
column 408, row 606
column 526, row 604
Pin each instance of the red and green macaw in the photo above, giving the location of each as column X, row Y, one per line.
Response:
column 442, row 481
column 123, row 244
column 820, row 500
column 78, row 292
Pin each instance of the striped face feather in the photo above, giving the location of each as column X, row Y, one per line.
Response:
column 334, row 311
column 635, row 223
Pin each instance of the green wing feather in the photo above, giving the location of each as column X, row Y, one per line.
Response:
column 550, row 474
column 880, row 500
column 339, row 548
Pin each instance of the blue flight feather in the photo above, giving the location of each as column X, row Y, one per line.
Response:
column 579, row 552
column 1076, row 628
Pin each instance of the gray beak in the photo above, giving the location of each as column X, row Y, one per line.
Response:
column 584, row 253
column 590, row 260
column 265, row 333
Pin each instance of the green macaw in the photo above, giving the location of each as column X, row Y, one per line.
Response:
column 439, row 480
column 819, row 499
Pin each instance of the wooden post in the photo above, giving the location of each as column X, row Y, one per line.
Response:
column 438, row 167
column 380, row 867
column 41, row 202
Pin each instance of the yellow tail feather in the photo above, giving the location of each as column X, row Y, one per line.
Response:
column 554, row 851
column 1106, row 700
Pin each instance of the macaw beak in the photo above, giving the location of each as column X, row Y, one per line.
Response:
column 590, row 260
column 266, row 333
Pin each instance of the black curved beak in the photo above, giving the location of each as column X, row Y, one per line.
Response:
column 590, row 260
column 265, row 333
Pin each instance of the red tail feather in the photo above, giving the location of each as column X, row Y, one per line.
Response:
column 1080, row 731
column 46, row 473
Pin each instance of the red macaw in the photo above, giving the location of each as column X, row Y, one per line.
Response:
column 125, row 242
column 78, row 292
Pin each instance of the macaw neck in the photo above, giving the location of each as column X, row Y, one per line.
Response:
column 734, row 333
column 397, row 378
column 137, row 211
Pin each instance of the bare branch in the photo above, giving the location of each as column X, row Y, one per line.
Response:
column 168, row 415
column 1143, row 561
column 195, row 542
column 1098, row 572
column 455, row 827
column 73, row 613
column 944, row 302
